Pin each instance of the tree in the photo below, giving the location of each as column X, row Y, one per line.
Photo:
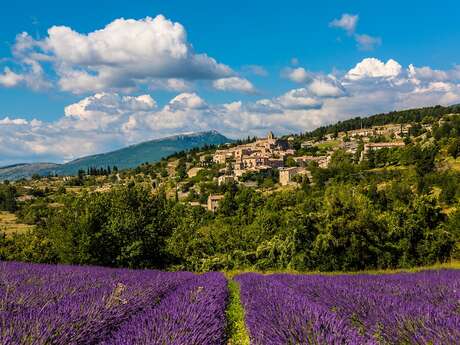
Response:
column 350, row 234
column 181, row 171
column 454, row 148
column 424, row 164
column 7, row 197
column 124, row 227
column 290, row 162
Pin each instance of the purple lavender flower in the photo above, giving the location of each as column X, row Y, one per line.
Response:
column 406, row 308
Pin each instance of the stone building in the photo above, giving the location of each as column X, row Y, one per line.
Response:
column 377, row 146
column 225, row 179
column 323, row 161
column 213, row 202
column 286, row 174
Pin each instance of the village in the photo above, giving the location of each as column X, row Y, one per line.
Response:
column 273, row 154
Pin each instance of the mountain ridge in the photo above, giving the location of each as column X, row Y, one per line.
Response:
column 126, row 157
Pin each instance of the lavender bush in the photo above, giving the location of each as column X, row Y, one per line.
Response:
column 194, row 314
column 44, row 304
column 407, row 308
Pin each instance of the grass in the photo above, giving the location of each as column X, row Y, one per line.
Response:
column 328, row 144
column 453, row 264
column 390, row 168
column 236, row 328
column 9, row 225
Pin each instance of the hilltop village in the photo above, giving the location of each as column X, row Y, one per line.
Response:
column 291, row 163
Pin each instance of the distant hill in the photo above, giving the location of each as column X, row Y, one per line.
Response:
column 128, row 157
column 18, row 171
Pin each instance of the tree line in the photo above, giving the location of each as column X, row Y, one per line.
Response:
column 427, row 114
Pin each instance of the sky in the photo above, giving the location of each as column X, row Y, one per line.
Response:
column 85, row 77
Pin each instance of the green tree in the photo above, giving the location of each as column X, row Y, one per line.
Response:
column 8, row 197
column 454, row 148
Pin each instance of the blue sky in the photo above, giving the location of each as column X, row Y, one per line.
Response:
column 286, row 66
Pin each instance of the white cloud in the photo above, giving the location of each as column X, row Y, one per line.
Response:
column 367, row 42
column 121, row 56
column 32, row 73
column 374, row 68
column 186, row 101
column 107, row 120
column 299, row 99
column 427, row 73
column 18, row 122
column 9, row 78
column 347, row 22
column 104, row 111
column 234, row 84
column 109, row 103
column 171, row 84
column 326, row 87
column 297, row 75
column 318, row 85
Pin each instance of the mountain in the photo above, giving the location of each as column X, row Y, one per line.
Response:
column 25, row 170
column 128, row 157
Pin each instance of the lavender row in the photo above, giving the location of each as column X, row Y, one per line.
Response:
column 193, row 315
column 420, row 308
column 75, row 305
column 276, row 315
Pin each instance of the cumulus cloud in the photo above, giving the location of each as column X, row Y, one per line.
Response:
column 234, row 84
column 299, row 99
column 186, row 101
column 29, row 63
column 171, row 84
column 7, row 121
column 297, row 75
column 120, row 56
column 9, row 78
column 109, row 120
column 349, row 22
column 104, row 111
column 318, row 85
column 374, row 68
column 426, row 73
column 346, row 22
column 326, row 86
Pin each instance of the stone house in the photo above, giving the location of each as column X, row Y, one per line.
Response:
column 286, row 174
column 213, row 202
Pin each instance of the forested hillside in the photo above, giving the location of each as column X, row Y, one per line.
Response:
column 419, row 115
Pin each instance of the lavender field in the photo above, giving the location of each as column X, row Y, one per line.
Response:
column 408, row 308
column 41, row 304
column 44, row 304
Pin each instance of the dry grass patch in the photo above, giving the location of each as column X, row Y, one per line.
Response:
column 10, row 226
